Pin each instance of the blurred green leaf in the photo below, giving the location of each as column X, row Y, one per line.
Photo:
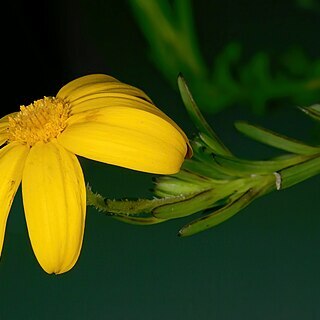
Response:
column 312, row 111
column 254, row 82
column 308, row 4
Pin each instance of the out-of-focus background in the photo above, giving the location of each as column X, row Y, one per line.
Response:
column 264, row 263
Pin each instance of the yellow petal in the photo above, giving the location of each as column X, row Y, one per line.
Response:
column 109, row 99
column 94, row 84
column 87, row 110
column 12, row 159
column 54, row 200
column 127, row 137
column 3, row 138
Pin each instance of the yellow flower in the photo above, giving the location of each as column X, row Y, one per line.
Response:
column 94, row 116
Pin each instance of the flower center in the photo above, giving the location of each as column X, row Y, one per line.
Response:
column 42, row 120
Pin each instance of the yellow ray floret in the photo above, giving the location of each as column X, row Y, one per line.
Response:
column 127, row 137
column 12, row 158
column 97, row 117
column 56, row 215
column 82, row 88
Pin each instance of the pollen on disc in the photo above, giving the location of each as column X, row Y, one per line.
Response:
column 42, row 120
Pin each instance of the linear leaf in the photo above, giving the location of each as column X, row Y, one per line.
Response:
column 258, row 167
column 275, row 139
column 198, row 118
column 190, row 205
column 220, row 215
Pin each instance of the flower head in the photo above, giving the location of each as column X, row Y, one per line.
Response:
column 96, row 117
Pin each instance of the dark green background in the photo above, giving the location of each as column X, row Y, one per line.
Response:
column 262, row 264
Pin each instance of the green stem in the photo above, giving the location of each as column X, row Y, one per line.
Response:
column 300, row 172
column 128, row 208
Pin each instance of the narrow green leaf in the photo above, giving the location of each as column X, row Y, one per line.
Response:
column 202, row 200
column 222, row 214
column 207, row 158
column 275, row 139
column 175, row 186
column 246, row 167
column 190, row 205
column 192, row 177
column 198, row 119
column 197, row 166
column 212, row 144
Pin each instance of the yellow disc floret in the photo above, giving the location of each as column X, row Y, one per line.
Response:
column 42, row 120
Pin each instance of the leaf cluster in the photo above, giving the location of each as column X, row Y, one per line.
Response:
column 215, row 183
